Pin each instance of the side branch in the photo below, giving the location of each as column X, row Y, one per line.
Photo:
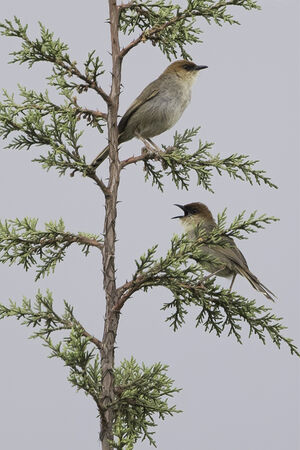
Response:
column 147, row 34
column 219, row 308
column 72, row 68
column 177, row 267
column 169, row 26
column 39, row 122
column 135, row 159
column 53, row 51
column 128, row 289
column 42, row 314
column 22, row 243
column 126, row 5
column 178, row 163
column 74, row 349
column 91, row 338
column 91, row 173
column 88, row 114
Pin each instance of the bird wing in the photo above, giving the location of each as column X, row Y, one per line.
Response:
column 240, row 266
column 147, row 94
column 232, row 253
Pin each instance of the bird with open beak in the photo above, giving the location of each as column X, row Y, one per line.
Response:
column 227, row 261
column 159, row 106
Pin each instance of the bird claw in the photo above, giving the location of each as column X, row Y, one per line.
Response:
column 73, row 173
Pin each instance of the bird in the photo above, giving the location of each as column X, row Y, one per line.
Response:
column 229, row 260
column 158, row 107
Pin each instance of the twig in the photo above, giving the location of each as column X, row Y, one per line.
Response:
column 72, row 69
column 134, row 160
column 92, row 174
column 89, row 241
column 88, row 112
column 130, row 286
column 85, row 333
column 97, row 114
column 146, row 35
column 125, row 5
column 90, row 83
column 92, row 338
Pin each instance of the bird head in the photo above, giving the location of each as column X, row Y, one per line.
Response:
column 194, row 214
column 185, row 70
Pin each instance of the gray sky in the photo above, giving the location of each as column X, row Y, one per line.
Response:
column 234, row 397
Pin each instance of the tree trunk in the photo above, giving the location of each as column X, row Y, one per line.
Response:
column 111, row 317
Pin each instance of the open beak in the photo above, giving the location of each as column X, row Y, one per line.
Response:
column 181, row 207
column 200, row 68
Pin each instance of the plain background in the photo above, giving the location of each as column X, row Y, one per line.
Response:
column 234, row 397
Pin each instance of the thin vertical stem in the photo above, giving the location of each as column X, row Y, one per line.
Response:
column 111, row 316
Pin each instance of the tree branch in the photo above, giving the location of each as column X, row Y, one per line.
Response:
column 177, row 267
column 89, row 83
column 126, row 5
column 172, row 16
column 52, row 51
column 144, row 156
column 21, row 242
column 146, row 35
column 178, row 163
column 87, row 113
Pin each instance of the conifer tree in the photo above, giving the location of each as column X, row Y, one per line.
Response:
column 128, row 397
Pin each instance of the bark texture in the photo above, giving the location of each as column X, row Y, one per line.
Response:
column 111, row 316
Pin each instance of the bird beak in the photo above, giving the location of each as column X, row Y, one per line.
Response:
column 200, row 67
column 181, row 207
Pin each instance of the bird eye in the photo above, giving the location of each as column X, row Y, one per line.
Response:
column 191, row 212
column 188, row 67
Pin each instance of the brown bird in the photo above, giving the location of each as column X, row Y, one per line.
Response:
column 159, row 106
column 230, row 259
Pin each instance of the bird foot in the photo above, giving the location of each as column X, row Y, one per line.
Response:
column 151, row 153
column 73, row 173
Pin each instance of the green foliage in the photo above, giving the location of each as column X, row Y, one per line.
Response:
column 22, row 243
column 74, row 349
column 37, row 120
column 48, row 49
column 241, row 224
column 82, row 361
column 176, row 266
column 182, row 250
column 141, row 394
column 45, row 49
column 177, row 163
column 219, row 308
column 172, row 27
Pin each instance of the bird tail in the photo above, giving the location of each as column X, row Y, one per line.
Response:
column 254, row 281
column 100, row 158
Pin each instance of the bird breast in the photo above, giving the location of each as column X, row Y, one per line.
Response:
column 161, row 112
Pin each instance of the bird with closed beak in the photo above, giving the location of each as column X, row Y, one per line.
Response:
column 158, row 107
column 227, row 261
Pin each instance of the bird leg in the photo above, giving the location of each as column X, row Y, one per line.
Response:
column 232, row 281
column 212, row 274
column 144, row 141
column 209, row 276
column 155, row 146
column 154, row 149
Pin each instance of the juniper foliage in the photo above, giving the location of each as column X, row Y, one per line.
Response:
column 129, row 398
